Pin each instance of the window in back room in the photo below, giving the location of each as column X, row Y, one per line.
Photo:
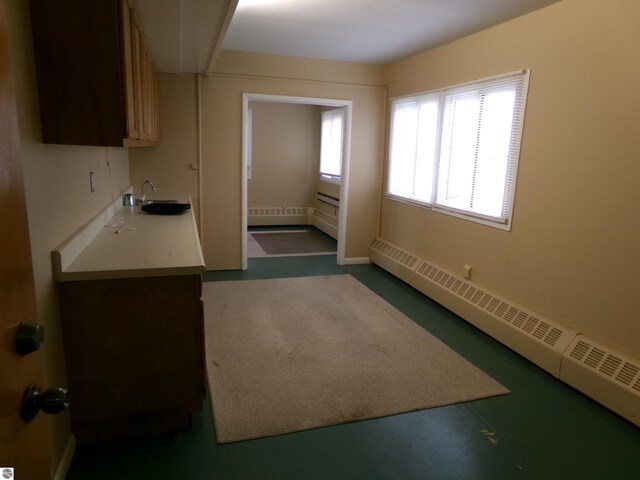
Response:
column 456, row 150
column 331, row 145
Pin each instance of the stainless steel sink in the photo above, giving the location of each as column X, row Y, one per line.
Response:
column 164, row 207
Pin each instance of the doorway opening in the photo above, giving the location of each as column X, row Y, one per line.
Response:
column 339, row 175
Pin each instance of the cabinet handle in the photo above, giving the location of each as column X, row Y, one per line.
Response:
column 29, row 338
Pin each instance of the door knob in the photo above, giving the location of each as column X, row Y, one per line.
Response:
column 51, row 401
column 29, row 338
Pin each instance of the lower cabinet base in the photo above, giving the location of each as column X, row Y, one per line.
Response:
column 132, row 426
column 134, row 355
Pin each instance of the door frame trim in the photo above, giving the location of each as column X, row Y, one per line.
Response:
column 346, row 157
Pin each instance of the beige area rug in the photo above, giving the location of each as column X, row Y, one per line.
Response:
column 292, row 354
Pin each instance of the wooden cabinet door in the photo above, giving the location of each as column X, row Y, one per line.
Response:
column 139, row 79
column 91, row 66
column 152, row 119
column 144, row 88
column 153, row 344
column 132, row 122
column 23, row 446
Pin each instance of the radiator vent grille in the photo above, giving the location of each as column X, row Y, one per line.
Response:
column 615, row 366
column 607, row 375
column 276, row 211
column 580, row 350
column 610, row 365
column 526, row 322
column 627, row 373
column 594, row 357
column 553, row 336
column 399, row 255
column 326, row 218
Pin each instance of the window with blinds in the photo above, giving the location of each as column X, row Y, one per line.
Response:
column 331, row 145
column 456, row 150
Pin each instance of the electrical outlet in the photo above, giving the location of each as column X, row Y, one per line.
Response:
column 467, row 272
column 92, row 182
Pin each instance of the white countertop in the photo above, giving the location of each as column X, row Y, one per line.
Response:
column 132, row 244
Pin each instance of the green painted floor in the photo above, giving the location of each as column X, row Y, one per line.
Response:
column 542, row 430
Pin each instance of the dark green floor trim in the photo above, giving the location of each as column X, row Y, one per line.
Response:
column 543, row 430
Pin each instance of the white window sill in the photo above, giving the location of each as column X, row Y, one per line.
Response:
column 501, row 224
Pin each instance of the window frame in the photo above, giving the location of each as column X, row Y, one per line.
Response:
column 520, row 85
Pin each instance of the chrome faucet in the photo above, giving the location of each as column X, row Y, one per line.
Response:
column 142, row 195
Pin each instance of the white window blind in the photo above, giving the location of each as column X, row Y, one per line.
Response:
column 457, row 149
column 331, row 144
column 412, row 148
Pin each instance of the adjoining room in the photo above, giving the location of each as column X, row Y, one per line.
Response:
column 286, row 181
column 298, row 180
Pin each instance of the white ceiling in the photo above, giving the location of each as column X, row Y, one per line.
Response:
column 185, row 35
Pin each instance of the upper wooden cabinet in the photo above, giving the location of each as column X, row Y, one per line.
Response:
column 96, row 82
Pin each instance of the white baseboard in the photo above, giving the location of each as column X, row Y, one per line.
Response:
column 65, row 461
column 357, row 261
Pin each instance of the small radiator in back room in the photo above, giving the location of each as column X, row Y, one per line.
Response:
column 328, row 199
column 283, row 215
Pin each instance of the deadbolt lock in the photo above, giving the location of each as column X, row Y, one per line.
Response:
column 29, row 338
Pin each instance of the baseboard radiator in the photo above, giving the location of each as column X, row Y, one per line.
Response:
column 605, row 375
column 325, row 221
column 328, row 199
column 257, row 216
column 325, row 216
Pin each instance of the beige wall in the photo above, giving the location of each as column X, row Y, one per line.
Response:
column 237, row 73
column 575, row 242
column 58, row 202
column 172, row 165
column 285, row 154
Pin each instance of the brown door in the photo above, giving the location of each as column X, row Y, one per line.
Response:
column 23, row 446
